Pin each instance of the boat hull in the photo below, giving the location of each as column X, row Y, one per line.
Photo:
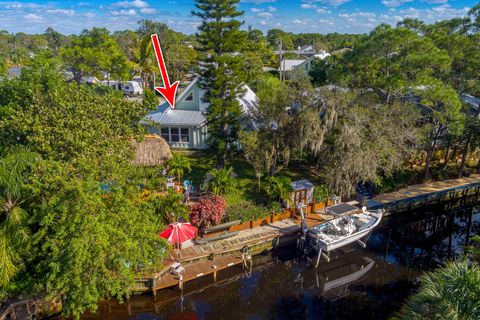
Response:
column 325, row 246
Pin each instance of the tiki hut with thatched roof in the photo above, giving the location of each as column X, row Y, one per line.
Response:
column 152, row 151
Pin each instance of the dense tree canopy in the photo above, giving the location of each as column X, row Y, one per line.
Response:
column 220, row 40
column 75, row 226
column 95, row 52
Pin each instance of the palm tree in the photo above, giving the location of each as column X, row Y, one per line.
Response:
column 14, row 233
column 220, row 181
column 451, row 292
column 169, row 208
column 178, row 165
column 144, row 61
column 279, row 188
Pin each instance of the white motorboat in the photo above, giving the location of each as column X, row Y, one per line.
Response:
column 350, row 224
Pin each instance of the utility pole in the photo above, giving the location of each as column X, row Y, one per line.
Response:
column 280, row 48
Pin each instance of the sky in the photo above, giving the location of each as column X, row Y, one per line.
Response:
column 322, row 16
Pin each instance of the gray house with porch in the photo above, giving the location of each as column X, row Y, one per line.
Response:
column 185, row 126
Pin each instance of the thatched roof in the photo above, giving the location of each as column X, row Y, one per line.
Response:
column 152, row 151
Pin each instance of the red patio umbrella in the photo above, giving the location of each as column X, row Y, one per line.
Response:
column 178, row 232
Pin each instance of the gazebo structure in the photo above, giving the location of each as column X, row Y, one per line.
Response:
column 302, row 193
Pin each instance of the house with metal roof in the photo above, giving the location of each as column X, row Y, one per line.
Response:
column 474, row 102
column 288, row 66
column 185, row 126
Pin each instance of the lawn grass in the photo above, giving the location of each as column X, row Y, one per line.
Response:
column 247, row 183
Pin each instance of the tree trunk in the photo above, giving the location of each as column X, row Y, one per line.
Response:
column 427, row 163
column 447, row 153
column 221, row 161
column 430, row 152
column 464, row 158
column 478, row 165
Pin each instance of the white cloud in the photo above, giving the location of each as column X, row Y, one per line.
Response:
column 132, row 4
column 62, row 12
column 308, row 6
column 129, row 12
column 262, row 10
column 323, row 11
column 333, row 3
column 358, row 14
column 33, row 17
column 435, row 1
column 394, row 3
column 265, row 14
column 19, row 5
column 148, row 10
column 258, row 1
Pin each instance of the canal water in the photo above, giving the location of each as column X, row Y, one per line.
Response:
column 370, row 283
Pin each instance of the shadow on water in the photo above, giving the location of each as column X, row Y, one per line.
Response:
column 370, row 283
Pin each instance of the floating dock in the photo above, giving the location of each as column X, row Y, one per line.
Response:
column 428, row 194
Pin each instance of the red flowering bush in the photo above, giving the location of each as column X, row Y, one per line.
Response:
column 208, row 212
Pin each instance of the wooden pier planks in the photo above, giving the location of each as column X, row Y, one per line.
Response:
column 427, row 188
column 199, row 269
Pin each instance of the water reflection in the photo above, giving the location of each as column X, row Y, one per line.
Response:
column 370, row 283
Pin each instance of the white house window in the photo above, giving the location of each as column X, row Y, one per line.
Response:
column 164, row 133
column 174, row 135
column 184, row 135
column 189, row 97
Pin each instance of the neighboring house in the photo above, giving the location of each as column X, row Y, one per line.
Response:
column 290, row 65
column 307, row 50
column 473, row 101
column 322, row 54
column 185, row 126
column 304, row 65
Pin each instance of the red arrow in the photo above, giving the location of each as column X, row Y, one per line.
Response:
column 168, row 91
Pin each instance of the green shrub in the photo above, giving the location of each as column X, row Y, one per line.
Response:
column 321, row 193
column 278, row 188
column 178, row 166
column 150, row 99
column 220, row 181
column 275, row 207
column 245, row 211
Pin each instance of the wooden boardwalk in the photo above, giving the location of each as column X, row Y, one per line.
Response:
column 435, row 193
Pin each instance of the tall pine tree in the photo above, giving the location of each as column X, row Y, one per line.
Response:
column 222, row 76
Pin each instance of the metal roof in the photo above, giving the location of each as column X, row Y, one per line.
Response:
column 302, row 185
column 166, row 116
column 290, row 64
column 474, row 101
column 177, row 117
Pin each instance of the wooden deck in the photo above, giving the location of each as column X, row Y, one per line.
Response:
column 207, row 259
column 427, row 188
